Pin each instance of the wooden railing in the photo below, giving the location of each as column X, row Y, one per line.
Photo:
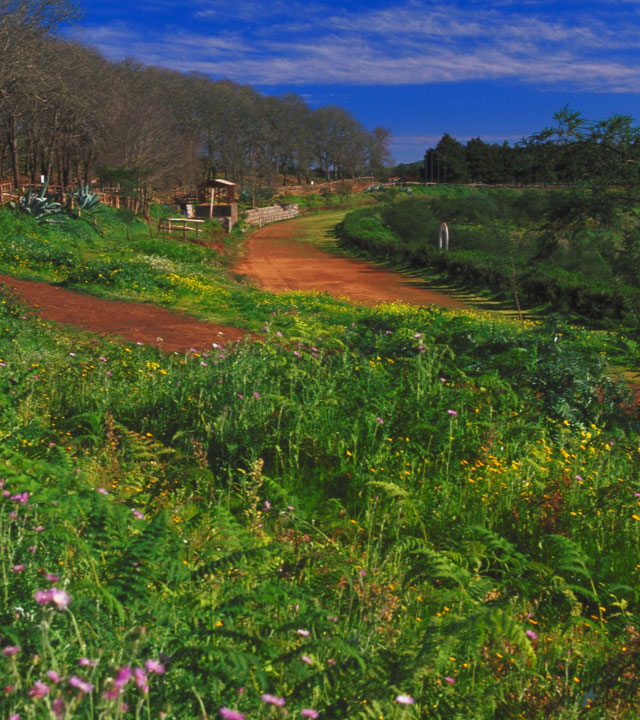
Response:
column 167, row 225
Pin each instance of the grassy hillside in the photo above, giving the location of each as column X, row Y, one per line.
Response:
column 387, row 512
column 505, row 242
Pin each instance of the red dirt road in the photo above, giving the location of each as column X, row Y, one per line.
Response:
column 277, row 262
column 136, row 322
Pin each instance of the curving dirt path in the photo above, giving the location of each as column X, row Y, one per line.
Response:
column 277, row 260
column 133, row 321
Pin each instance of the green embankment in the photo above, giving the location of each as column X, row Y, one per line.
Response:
column 501, row 243
column 372, row 507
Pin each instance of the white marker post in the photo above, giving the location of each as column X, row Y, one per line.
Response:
column 444, row 237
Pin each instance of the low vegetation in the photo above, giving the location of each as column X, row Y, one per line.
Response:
column 372, row 512
column 498, row 243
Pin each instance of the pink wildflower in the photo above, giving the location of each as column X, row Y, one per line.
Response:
column 141, row 679
column 532, row 635
column 450, row 680
column 58, row 707
column 123, row 677
column 39, row 689
column 304, row 633
column 11, row 650
column 309, row 713
column 229, row 714
column 307, row 659
column 273, row 700
column 80, row 684
column 405, row 700
column 155, row 666
column 60, row 598
column 53, row 676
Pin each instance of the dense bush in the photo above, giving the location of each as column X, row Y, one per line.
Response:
column 494, row 245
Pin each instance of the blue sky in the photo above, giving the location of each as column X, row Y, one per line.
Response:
column 498, row 70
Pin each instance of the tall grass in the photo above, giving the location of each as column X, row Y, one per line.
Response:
column 392, row 512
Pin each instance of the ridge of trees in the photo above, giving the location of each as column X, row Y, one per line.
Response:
column 66, row 112
column 567, row 153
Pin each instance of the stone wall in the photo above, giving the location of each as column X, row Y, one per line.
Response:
column 266, row 215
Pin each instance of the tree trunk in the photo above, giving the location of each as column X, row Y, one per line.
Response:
column 15, row 156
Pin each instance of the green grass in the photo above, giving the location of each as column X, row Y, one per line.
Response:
column 369, row 503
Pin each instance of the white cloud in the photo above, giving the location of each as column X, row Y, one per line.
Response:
column 409, row 42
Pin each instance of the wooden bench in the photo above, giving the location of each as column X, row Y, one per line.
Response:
column 166, row 225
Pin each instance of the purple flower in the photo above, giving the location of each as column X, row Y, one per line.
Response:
column 155, row 666
column 15, row 716
column 11, row 650
column 109, row 373
column 304, row 633
column 450, row 680
column 273, row 700
column 137, row 514
column 39, row 689
column 72, row 354
column 87, row 662
column 52, row 578
column 307, row 659
column 53, row 676
column 229, row 714
column 417, row 335
column 309, row 713
column 453, row 413
column 123, row 677
column 379, row 420
column 297, row 354
column 140, row 677
column 405, row 700
column 240, row 396
column 103, row 359
column 43, row 597
column 60, row 598
column 532, row 635
column 80, row 684
column 18, row 568
column 256, row 395
column 58, row 707
column 102, row 491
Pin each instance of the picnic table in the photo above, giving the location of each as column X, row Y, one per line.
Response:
column 166, row 225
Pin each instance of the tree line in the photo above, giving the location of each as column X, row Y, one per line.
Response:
column 68, row 113
column 566, row 153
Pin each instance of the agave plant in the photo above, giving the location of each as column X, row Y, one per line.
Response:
column 82, row 198
column 39, row 206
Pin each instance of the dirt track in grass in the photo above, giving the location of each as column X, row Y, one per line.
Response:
column 132, row 321
column 278, row 259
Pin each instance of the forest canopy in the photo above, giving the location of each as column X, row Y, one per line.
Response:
column 68, row 113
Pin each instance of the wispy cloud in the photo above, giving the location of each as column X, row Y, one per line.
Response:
column 544, row 44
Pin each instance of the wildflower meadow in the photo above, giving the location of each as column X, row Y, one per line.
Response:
column 390, row 512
